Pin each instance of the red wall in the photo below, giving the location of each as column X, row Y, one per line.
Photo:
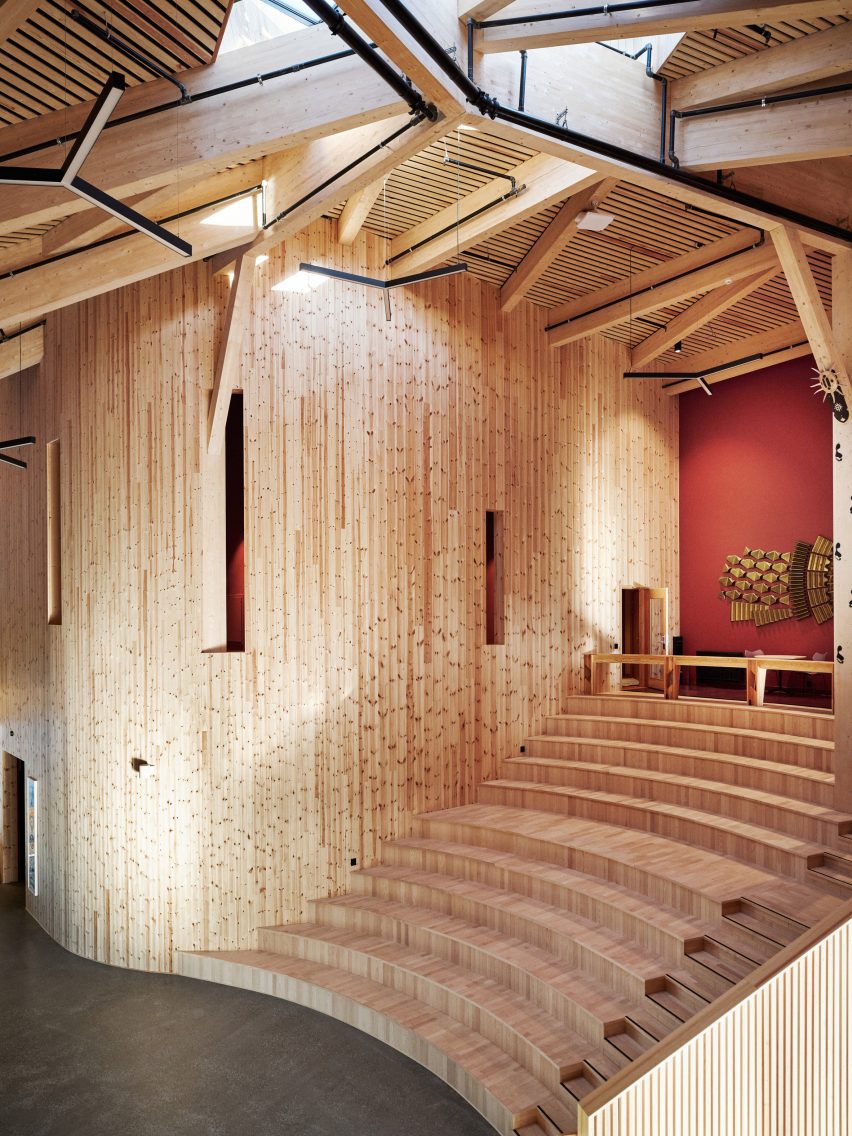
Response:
column 755, row 469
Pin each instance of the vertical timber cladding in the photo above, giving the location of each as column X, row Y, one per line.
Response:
column 366, row 691
column 842, row 443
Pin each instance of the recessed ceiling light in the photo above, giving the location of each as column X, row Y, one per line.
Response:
column 594, row 220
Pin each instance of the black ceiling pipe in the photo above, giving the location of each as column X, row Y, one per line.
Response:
column 487, row 105
column 335, row 21
column 574, row 13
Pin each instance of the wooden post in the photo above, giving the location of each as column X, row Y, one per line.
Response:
column 671, row 677
column 588, row 672
column 842, row 464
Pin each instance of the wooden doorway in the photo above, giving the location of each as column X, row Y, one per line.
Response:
column 12, row 852
column 644, row 631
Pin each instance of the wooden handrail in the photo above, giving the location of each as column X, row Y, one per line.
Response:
column 756, row 668
column 704, row 1019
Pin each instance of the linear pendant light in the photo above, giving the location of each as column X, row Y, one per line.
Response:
column 68, row 174
column 12, row 444
column 383, row 285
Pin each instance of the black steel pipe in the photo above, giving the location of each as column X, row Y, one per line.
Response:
column 574, row 13
column 655, row 287
column 448, row 161
column 335, row 21
column 4, row 338
column 129, row 51
column 661, row 79
column 522, row 89
column 748, row 104
column 678, row 377
column 455, row 224
column 487, row 105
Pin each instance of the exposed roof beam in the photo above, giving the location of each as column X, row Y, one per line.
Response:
column 26, row 350
column 555, row 238
column 655, row 275
column 788, row 132
column 682, row 287
column 225, row 380
column 304, row 183
column 814, row 317
column 668, row 18
column 13, row 13
column 210, row 134
column 356, row 210
column 546, row 180
column 689, row 194
column 394, row 41
column 776, row 346
column 699, row 314
column 818, row 188
column 780, row 68
column 91, row 272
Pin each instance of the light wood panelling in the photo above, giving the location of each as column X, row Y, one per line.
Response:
column 366, row 692
column 718, row 1080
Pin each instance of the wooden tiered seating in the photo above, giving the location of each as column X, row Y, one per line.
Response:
column 636, row 860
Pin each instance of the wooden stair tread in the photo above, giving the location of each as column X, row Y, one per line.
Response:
column 675, row 922
column 738, row 760
column 752, row 832
column 556, row 1041
column 794, row 900
column 807, row 809
column 700, row 869
column 543, row 965
column 516, row 1089
column 626, row 953
column 770, row 737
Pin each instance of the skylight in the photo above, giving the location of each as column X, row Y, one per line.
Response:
column 255, row 21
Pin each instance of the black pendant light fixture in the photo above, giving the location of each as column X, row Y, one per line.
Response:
column 12, row 444
column 68, row 175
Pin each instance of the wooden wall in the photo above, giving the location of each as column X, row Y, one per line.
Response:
column 366, row 692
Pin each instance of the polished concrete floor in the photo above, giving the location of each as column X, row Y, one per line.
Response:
column 91, row 1050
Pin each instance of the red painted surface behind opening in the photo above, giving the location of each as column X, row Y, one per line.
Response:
column 756, row 470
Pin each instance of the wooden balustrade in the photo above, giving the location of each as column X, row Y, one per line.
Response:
column 596, row 669
column 771, row 1055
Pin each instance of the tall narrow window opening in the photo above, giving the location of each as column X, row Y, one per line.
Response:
column 235, row 525
column 54, row 536
column 494, row 621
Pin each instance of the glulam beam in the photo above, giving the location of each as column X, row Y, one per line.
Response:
column 698, row 314
column 681, row 286
column 488, row 211
column 815, row 319
column 22, row 351
column 14, row 13
column 226, row 377
column 552, row 242
column 356, row 210
column 642, row 21
column 210, row 133
column 779, row 68
column 802, row 131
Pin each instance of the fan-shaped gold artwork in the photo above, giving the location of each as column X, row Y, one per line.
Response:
column 773, row 585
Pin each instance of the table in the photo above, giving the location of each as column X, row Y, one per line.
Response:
column 779, row 689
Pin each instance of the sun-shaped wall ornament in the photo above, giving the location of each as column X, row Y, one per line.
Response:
column 828, row 385
column 765, row 587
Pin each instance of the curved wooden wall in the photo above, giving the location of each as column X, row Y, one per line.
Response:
column 366, row 692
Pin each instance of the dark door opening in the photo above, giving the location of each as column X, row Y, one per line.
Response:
column 13, row 867
column 20, row 827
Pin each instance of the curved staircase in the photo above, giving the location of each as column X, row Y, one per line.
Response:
column 634, row 862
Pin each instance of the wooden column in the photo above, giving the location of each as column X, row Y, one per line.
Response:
column 842, row 448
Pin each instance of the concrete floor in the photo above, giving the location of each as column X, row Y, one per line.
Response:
column 92, row 1050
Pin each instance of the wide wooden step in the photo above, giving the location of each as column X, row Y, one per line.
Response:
column 631, row 914
column 773, row 926
column 537, row 1040
column 693, row 880
column 805, row 820
column 506, row 1094
column 796, row 781
column 786, row 720
column 621, row 964
column 786, row 748
column 572, row 996
column 775, row 851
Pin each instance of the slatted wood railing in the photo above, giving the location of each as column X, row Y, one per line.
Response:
column 597, row 670
column 772, row 1056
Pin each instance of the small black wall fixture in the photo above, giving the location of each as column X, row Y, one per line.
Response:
column 12, row 444
column 68, row 175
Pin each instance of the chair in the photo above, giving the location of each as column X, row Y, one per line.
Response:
column 809, row 676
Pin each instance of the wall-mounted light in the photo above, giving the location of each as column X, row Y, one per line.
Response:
column 594, row 220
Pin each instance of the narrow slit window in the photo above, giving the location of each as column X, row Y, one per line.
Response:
column 494, row 619
column 235, row 589
column 54, row 536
